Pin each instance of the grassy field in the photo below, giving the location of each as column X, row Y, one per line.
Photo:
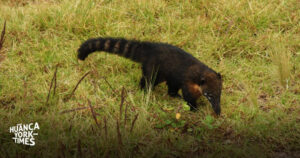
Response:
column 254, row 44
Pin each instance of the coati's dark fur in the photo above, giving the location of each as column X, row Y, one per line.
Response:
column 164, row 62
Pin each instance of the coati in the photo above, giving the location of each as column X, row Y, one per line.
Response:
column 164, row 62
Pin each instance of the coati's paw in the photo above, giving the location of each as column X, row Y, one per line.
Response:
column 193, row 108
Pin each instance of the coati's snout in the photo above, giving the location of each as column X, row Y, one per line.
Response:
column 211, row 86
column 214, row 101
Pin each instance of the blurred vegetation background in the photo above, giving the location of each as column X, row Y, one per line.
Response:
column 254, row 44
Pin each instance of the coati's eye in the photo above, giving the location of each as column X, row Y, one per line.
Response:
column 202, row 81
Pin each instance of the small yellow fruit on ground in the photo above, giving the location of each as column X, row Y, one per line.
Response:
column 178, row 116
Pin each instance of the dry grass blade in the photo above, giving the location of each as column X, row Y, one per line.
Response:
column 125, row 115
column 119, row 134
column 122, row 101
column 76, row 109
column 78, row 84
column 105, row 127
column 51, row 84
column 2, row 35
column 62, row 149
column 79, row 148
column 55, row 81
column 110, row 86
column 93, row 113
column 133, row 122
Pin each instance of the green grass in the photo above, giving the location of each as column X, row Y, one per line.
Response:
column 255, row 45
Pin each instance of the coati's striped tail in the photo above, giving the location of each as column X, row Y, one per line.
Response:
column 127, row 48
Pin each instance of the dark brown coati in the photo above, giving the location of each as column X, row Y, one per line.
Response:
column 178, row 68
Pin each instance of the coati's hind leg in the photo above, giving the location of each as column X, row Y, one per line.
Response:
column 150, row 78
column 149, row 81
column 142, row 83
column 145, row 82
column 173, row 89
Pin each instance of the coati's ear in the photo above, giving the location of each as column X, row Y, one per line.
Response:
column 219, row 75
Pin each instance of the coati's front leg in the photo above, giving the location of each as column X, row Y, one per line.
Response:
column 190, row 98
column 173, row 89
